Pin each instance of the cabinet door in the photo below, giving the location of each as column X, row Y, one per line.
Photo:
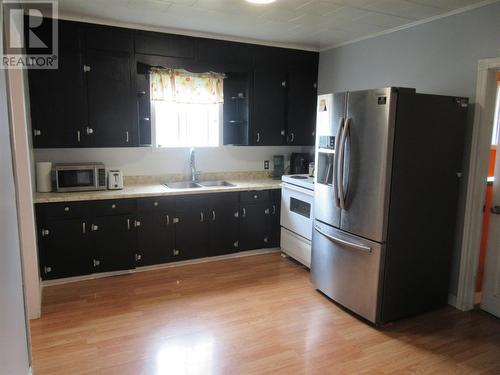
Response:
column 191, row 228
column 64, row 249
column 301, row 113
column 269, row 108
column 254, row 226
column 236, row 114
column 155, row 238
column 110, row 100
column 114, row 240
column 58, row 103
column 275, row 213
column 224, row 224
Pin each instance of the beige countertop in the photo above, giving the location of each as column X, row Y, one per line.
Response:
column 155, row 190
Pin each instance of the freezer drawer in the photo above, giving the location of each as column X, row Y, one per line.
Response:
column 347, row 269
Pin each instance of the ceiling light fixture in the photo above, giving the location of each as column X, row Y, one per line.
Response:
column 261, row 1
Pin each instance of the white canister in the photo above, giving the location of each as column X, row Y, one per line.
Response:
column 44, row 177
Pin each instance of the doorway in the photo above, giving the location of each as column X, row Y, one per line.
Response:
column 479, row 278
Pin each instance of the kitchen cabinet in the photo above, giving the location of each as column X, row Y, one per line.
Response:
column 191, row 227
column 236, row 114
column 79, row 238
column 143, row 105
column 109, row 100
column 65, row 248
column 58, row 108
column 301, row 112
column 269, row 107
column 223, row 218
column 114, row 242
column 150, row 43
column 155, row 231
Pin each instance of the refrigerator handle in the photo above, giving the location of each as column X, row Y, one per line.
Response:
column 340, row 161
column 335, row 163
column 340, row 241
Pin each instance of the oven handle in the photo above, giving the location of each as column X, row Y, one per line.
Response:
column 296, row 188
column 340, row 241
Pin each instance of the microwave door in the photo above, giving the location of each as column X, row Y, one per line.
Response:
column 330, row 120
column 79, row 179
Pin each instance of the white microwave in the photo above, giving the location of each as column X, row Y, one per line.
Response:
column 79, row 177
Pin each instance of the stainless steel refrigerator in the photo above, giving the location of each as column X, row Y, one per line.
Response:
column 388, row 169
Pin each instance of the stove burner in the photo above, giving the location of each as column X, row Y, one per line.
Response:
column 299, row 177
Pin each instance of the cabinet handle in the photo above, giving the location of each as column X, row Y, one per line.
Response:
column 113, row 206
column 66, row 209
column 175, row 220
column 78, row 138
column 283, row 84
column 292, row 137
column 213, row 215
column 47, row 269
column 236, row 244
column 84, row 228
column 167, row 219
column 283, row 132
column 97, row 262
column 266, row 239
column 202, row 217
column 244, row 212
column 126, row 136
column 274, row 209
column 155, row 204
column 86, row 68
column 258, row 137
column 37, row 132
column 128, row 224
column 176, row 252
column 94, row 228
column 237, row 214
column 141, row 93
column 45, row 232
column 137, row 223
column 89, row 130
column 266, row 211
column 138, row 257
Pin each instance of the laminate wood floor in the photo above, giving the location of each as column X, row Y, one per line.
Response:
column 252, row 315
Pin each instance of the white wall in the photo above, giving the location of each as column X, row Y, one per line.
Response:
column 148, row 161
column 14, row 352
column 438, row 57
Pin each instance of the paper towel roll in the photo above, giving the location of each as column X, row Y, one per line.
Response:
column 44, row 177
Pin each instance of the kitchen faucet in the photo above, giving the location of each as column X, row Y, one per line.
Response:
column 192, row 164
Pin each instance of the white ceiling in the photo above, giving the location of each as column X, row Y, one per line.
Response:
column 311, row 24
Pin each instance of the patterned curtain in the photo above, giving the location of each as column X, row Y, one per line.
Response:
column 181, row 86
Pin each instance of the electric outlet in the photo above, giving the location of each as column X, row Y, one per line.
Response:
column 266, row 164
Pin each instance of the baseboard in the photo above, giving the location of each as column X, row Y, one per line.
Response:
column 93, row 276
column 452, row 300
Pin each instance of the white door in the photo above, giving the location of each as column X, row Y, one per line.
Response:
column 490, row 298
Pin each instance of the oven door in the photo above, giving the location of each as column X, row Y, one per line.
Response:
column 75, row 179
column 297, row 209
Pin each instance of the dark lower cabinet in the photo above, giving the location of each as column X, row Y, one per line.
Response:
column 79, row 238
column 224, row 224
column 191, row 227
column 254, row 226
column 114, row 243
column 155, row 231
column 66, row 249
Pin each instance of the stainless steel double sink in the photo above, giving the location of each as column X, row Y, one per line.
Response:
column 200, row 184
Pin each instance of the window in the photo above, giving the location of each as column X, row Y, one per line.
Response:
column 186, row 108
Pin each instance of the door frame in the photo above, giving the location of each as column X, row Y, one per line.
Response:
column 478, row 171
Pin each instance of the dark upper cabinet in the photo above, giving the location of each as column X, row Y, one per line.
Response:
column 143, row 106
column 150, row 43
column 58, row 103
column 269, row 107
column 114, row 242
column 65, row 249
column 301, row 112
column 223, row 219
column 225, row 56
column 110, row 100
column 109, row 38
column 236, row 114
column 191, row 227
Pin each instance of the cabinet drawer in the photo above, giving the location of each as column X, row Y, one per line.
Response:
column 113, row 207
column 254, row 196
column 63, row 210
column 155, row 204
